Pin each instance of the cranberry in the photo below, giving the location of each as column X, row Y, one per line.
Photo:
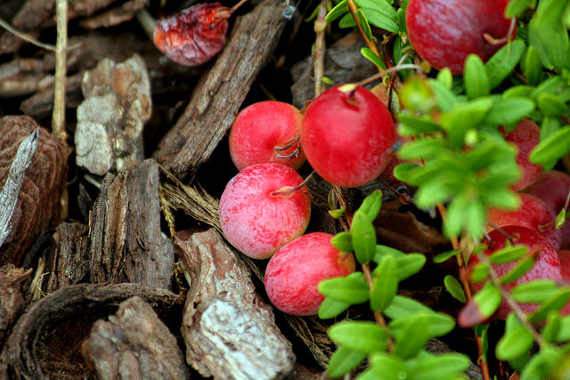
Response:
column 525, row 136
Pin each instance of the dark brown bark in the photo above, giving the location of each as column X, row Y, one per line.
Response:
column 220, row 93
column 229, row 332
column 125, row 240
column 134, row 344
column 46, row 340
column 12, row 297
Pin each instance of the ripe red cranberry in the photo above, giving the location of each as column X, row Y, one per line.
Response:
column 194, row 35
column 267, row 131
column 445, row 32
column 553, row 188
column 533, row 213
column 294, row 272
column 564, row 257
column 525, row 137
column 547, row 264
column 347, row 136
column 263, row 208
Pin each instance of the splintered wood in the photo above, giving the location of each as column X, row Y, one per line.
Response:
column 221, row 91
column 110, row 121
column 134, row 344
column 125, row 240
column 229, row 332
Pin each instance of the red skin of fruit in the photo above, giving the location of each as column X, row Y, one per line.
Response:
column 445, row 32
column 294, row 272
column 254, row 219
column 547, row 264
column 347, row 136
column 194, row 35
column 533, row 213
column 260, row 128
column 564, row 257
column 525, row 137
column 553, row 188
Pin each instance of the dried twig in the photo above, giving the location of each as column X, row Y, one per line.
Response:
column 26, row 37
column 58, row 117
column 320, row 46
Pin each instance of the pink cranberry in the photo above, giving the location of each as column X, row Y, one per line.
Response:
column 525, row 136
column 295, row 271
column 547, row 264
column 445, row 32
column 267, row 131
column 347, row 136
column 553, row 188
column 264, row 207
column 533, row 213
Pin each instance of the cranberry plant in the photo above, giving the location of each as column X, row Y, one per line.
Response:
column 456, row 154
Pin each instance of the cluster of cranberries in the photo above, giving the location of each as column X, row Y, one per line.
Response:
column 543, row 195
column 346, row 135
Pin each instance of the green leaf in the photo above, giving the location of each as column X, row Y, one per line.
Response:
column 409, row 264
column 548, row 127
column 342, row 241
column 343, row 361
column 331, row 308
column 508, row 254
column 363, row 237
column 445, row 77
column 421, row 149
column 564, row 330
column 411, row 336
column 416, row 95
column 445, row 99
column 351, row 289
column 372, row 57
column 552, row 105
column 517, row 7
column 435, row 324
column 454, row 288
column 476, row 219
column 386, row 367
column 488, row 300
column 554, row 303
column 551, row 329
column 475, row 77
column 337, row 11
column 346, row 22
column 519, row 270
column 372, row 204
column 384, row 284
column 380, row 14
column 443, row 257
column 554, row 147
column 403, row 307
column 414, row 125
column 548, row 35
column 464, row 117
column 541, row 364
column 440, row 367
column 516, row 341
column 535, row 291
column 509, row 110
column 502, row 64
column 362, row 336
column 480, row 272
column 337, row 213
column 532, row 66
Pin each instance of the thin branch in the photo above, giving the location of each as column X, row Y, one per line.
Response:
column 26, row 37
column 320, row 47
column 148, row 23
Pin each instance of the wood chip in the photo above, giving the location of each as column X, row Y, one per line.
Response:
column 229, row 332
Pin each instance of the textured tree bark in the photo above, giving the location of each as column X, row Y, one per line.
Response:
column 125, row 240
column 46, row 340
column 134, row 344
column 220, row 93
column 68, row 262
column 229, row 332
column 12, row 299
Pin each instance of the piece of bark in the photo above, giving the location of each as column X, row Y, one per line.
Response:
column 29, row 18
column 221, row 91
column 125, row 239
column 343, row 64
column 124, row 12
column 46, row 340
column 12, row 296
column 111, row 118
column 229, row 332
column 68, row 262
column 38, row 204
column 40, row 105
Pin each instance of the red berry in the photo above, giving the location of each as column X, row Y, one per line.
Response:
column 525, row 136
column 194, row 35
column 533, row 213
column 257, row 220
column 553, row 188
column 445, row 32
column 547, row 264
column 294, row 272
column 564, row 257
column 267, row 132
column 347, row 136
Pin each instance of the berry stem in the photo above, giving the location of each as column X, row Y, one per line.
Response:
column 377, row 315
column 320, row 48
column 237, row 6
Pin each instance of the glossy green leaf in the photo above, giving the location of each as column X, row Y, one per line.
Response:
column 386, row 367
column 488, row 300
column 372, row 204
column 342, row 241
column 517, row 7
column 362, row 336
column 508, row 254
column 536, row 291
column 548, row 35
column 343, row 361
column 330, row 308
column 516, row 341
column 502, row 64
column 509, row 110
column 363, row 237
column 554, row 303
column 337, row 11
column 443, row 257
column 384, row 284
column 552, row 148
column 440, row 367
column 454, row 288
column 475, row 77
column 551, row 329
column 372, row 57
column 445, row 77
column 403, row 307
column 351, row 289
column 409, row 264
column 532, row 66
column 520, row 269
